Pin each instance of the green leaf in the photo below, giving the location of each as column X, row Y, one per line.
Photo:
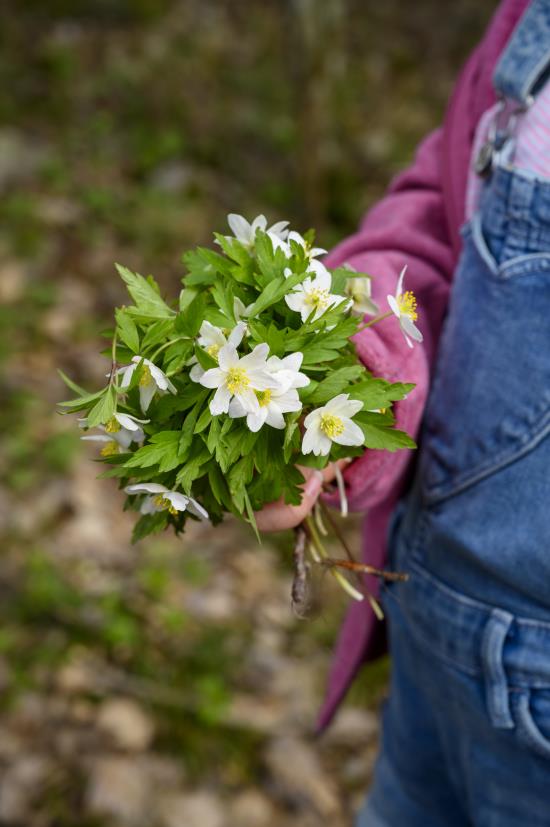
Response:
column 377, row 393
column 339, row 381
column 147, row 299
column 193, row 468
column 157, row 333
column 203, row 266
column 149, row 524
column 103, row 409
column 384, row 439
column 189, row 320
column 82, row 402
column 72, row 385
column 251, row 516
column 223, row 296
column 127, row 330
column 205, row 360
column 163, row 451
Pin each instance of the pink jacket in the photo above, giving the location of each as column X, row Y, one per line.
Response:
column 417, row 223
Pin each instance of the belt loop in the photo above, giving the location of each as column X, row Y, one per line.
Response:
column 496, row 686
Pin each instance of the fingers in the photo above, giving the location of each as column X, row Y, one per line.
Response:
column 279, row 516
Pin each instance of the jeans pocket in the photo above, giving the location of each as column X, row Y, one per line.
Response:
column 532, row 713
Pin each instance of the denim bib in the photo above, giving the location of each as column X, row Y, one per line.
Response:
column 478, row 514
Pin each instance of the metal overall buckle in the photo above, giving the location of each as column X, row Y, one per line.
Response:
column 501, row 129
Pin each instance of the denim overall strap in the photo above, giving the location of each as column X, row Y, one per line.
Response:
column 523, row 66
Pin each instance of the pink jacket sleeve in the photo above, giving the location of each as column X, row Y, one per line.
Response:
column 408, row 226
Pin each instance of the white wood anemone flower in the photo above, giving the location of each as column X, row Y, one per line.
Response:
column 311, row 252
column 153, row 380
column 313, row 295
column 161, row 498
column 245, row 231
column 122, row 428
column 111, row 446
column 272, row 405
column 403, row 305
column 332, row 423
column 287, row 370
column 358, row 289
column 275, row 402
column 239, row 378
column 212, row 339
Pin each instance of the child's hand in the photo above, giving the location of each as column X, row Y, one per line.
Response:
column 278, row 516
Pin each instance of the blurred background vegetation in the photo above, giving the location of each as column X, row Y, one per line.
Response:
column 168, row 683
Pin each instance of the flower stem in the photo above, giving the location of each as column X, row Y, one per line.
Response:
column 374, row 321
column 322, row 554
column 167, row 344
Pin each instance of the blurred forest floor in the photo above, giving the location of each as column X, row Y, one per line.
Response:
column 169, row 683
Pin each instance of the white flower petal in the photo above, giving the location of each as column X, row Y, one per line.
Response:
column 197, row 372
column 313, row 418
column 240, row 227
column 236, row 335
column 177, row 500
column 130, row 422
column 351, row 435
column 97, row 438
column 148, row 506
column 409, row 327
column 296, row 300
column 258, row 223
column 279, row 229
column 196, row 508
column 212, row 378
column 228, row 357
column 400, row 281
column 249, row 401
column 146, row 488
column 310, row 440
column 394, row 307
column 256, row 419
column 275, row 418
column 236, row 409
column 146, row 393
column 220, row 403
column 256, row 358
column 124, row 437
column 127, row 374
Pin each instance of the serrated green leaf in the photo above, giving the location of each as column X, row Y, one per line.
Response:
column 163, row 450
column 103, row 409
column 189, row 320
column 72, row 385
column 127, row 330
column 148, row 301
column 338, row 381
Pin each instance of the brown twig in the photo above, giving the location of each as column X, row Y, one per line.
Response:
column 365, row 569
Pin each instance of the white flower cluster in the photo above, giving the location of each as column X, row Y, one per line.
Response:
column 251, row 384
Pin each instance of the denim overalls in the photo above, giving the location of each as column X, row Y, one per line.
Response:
column 466, row 734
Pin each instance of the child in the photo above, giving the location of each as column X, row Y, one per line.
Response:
column 466, row 730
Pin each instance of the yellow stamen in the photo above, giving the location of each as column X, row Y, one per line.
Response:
column 145, row 379
column 237, row 380
column 264, row 397
column 109, row 449
column 318, row 298
column 407, row 305
column 164, row 503
column 112, row 426
column 331, row 425
column 213, row 351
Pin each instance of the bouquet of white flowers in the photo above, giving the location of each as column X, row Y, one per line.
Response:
column 213, row 401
